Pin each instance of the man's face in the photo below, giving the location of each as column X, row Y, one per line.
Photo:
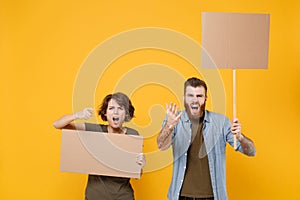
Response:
column 194, row 101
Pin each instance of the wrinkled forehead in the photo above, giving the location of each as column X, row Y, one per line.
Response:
column 195, row 90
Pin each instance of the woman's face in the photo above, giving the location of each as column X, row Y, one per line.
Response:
column 115, row 114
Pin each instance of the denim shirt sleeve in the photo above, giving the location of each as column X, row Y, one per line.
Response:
column 180, row 142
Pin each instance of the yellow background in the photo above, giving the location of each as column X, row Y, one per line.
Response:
column 44, row 43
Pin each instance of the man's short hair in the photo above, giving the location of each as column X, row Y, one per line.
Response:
column 195, row 82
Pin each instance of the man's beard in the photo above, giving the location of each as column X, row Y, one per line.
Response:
column 189, row 112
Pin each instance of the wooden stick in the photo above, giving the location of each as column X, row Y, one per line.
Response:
column 234, row 103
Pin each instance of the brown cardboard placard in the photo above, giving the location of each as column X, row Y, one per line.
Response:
column 100, row 153
column 236, row 40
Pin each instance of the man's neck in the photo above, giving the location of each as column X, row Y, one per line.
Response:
column 197, row 120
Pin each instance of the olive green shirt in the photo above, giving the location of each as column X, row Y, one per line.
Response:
column 197, row 182
column 108, row 187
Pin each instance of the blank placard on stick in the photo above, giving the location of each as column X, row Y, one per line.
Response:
column 235, row 41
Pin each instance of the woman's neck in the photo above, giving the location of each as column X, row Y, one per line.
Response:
column 119, row 130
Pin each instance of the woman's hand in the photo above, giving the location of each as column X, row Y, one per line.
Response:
column 84, row 114
column 141, row 160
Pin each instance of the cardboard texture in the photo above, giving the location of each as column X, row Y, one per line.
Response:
column 235, row 40
column 100, row 153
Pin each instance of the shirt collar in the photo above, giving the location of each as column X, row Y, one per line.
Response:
column 206, row 116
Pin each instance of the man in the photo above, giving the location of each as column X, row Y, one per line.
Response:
column 199, row 138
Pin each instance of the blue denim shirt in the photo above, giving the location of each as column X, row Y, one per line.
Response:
column 216, row 133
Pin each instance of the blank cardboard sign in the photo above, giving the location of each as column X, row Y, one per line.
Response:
column 100, row 153
column 235, row 40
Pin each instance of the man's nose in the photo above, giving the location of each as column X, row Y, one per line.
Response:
column 194, row 99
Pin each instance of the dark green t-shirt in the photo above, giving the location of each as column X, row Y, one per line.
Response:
column 108, row 187
column 197, row 182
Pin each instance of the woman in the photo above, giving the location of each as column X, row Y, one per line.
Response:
column 115, row 109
